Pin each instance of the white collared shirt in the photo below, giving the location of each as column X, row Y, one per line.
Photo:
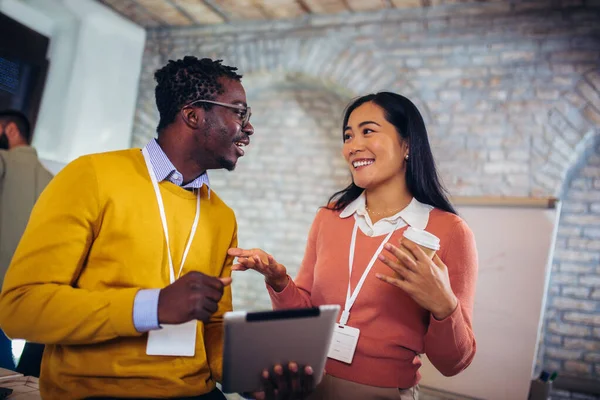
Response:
column 416, row 214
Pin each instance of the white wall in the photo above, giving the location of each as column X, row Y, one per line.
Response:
column 91, row 90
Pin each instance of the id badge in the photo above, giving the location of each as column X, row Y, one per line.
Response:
column 173, row 340
column 343, row 343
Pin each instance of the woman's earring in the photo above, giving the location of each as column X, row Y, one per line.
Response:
column 406, row 157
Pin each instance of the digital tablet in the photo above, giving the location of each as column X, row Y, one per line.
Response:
column 255, row 341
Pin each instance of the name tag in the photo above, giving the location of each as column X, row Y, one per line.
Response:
column 343, row 343
column 173, row 340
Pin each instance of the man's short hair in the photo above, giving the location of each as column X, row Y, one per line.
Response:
column 183, row 81
column 20, row 120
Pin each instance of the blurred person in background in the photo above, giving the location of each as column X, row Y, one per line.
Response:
column 22, row 180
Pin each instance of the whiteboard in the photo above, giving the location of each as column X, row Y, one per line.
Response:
column 515, row 242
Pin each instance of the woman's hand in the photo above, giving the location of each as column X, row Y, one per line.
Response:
column 275, row 274
column 424, row 279
column 289, row 383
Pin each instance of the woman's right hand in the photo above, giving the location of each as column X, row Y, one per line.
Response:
column 275, row 274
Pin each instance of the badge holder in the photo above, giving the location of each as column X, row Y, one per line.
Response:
column 173, row 340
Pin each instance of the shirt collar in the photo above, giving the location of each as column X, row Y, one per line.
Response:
column 416, row 214
column 165, row 170
column 24, row 149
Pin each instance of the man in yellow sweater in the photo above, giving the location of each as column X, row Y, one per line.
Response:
column 123, row 270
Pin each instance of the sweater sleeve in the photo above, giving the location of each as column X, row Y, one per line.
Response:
column 297, row 293
column 40, row 300
column 450, row 343
column 214, row 334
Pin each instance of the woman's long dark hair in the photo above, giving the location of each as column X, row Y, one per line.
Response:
column 421, row 174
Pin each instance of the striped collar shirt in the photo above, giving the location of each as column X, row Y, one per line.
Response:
column 166, row 171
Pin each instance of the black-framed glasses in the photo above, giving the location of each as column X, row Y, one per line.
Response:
column 246, row 111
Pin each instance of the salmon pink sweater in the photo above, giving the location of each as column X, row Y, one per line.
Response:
column 394, row 329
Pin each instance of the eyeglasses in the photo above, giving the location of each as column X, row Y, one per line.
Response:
column 246, row 111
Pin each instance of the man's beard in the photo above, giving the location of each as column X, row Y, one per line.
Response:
column 226, row 164
column 3, row 141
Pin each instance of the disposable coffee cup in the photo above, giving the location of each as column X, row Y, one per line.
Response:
column 428, row 242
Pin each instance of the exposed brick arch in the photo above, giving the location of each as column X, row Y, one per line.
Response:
column 578, row 126
column 336, row 65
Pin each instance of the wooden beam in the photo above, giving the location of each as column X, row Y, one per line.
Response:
column 302, row 4
column 407, row 3
column 366, row 5
column 166, row 12
column 238, row 10
column 326, row 6
column 133, row 12
column 281, row 9
column 199, row 12
column 211, row 4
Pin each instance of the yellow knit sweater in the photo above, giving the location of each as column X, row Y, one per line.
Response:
column 94, row 239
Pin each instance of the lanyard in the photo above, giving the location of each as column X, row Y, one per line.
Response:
column 351, row 296
column 163, row 218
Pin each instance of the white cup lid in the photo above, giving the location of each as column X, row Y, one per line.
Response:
column 422, row 238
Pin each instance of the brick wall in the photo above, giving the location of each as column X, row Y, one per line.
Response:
column 510, row 91
column 572, row 339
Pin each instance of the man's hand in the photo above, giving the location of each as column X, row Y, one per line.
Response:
column 193, row 296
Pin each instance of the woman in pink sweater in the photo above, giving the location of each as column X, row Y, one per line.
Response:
column 398, row 303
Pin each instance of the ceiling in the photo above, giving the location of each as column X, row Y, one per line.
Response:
column 156, row 13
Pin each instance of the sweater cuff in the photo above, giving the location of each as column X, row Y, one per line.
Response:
column 121, row 311
column 286, row 296
column 446, row 328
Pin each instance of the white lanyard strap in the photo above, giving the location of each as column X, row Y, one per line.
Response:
column 351, row 296
column 163, row 219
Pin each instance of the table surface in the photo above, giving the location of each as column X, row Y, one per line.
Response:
column 24, row 387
